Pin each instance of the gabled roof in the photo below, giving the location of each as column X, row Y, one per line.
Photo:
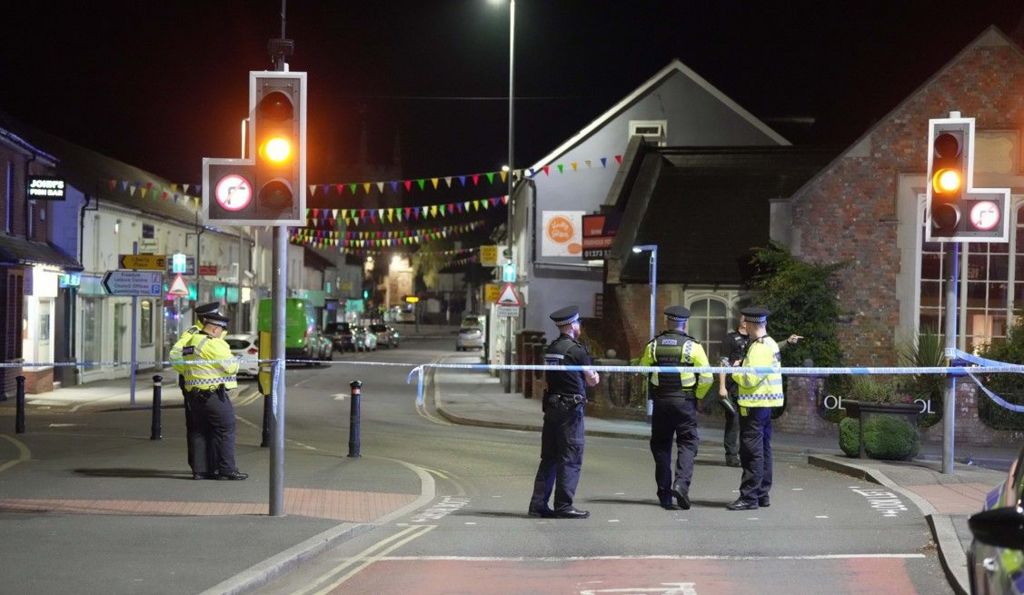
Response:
column 88, row 170
column 706, row 209
column 991, row 36
column 673, row 67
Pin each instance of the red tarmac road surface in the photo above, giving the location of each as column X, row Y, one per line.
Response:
column 625, row 576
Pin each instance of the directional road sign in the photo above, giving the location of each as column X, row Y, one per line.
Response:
column 149, row 262
column 133, row 282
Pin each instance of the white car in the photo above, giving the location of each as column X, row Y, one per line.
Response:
column 470, row 337
column 246, row 348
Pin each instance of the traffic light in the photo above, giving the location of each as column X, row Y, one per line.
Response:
column 268, row 186
column 958, row 212
column 946, row 177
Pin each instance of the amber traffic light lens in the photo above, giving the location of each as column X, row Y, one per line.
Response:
column 947, row 181
column 277, row 149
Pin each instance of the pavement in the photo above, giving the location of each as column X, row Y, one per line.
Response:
column 79, row 475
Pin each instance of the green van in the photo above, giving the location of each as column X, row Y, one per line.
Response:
column 302, row 337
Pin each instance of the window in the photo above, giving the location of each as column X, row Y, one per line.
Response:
column 146, row 323
column 9, row 197
column 987, row 273
column 709, row 322
column 92, row 325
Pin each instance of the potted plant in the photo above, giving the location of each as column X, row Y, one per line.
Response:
column 880, row 423
column 927, row 352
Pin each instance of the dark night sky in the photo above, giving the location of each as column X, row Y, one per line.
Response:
column 161, row 84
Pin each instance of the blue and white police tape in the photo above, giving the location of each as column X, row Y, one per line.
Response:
column 980, row 365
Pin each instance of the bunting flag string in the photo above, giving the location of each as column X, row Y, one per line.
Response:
column 178, row 193
column 464, row 180
column 322, row 239
column 455, row 252
column 328, row 218
column 190, row 194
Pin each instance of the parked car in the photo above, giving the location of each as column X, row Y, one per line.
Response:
column 996, row 558
column 364, row 339
column 385, row 335
column 471, row 336
column 246, row 348
column 340, row 334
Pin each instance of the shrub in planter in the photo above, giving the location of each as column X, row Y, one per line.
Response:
column 849, row 436
column 886, row 438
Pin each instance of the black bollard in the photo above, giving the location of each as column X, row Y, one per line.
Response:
column 19, row 415
column 353, row 420
column 155, row 430
column 267, row 404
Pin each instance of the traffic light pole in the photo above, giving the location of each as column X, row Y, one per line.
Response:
column 280, row 290
column 949, row 402
column 278, row 386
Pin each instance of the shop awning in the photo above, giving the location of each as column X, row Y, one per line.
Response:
column 15, row 251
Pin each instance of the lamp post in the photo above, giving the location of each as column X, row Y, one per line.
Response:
column 507, row 374
column 653, row 264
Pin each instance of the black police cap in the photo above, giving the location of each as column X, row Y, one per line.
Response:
column 217, row 319
column 677, row 313
column 207, row 309
column 567, row 315
column 756, row 314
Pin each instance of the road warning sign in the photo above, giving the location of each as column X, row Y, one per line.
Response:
column 509, row 296
column 178, row 287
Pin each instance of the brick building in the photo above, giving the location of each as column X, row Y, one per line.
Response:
column 866, row 208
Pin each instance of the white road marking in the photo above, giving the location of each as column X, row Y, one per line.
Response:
column 664, row 589
column 894, row 556
column 798, row 489
column 367, row 557
column 821, row 516
column 613, row 520
column 64, row 425
column 24, row 453
column 340, row 397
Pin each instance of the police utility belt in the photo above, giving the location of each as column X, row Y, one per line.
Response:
column 564, row 401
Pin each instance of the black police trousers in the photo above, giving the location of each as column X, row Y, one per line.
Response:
column 213, row 442
column 756, row 453
column 561, row 456
column 674, row 418
column 190, row 430
column 731, row 436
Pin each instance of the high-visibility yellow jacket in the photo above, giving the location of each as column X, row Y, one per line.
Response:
column 760, row 390
column 175, row 353
column 676, row 349
column 206, row 362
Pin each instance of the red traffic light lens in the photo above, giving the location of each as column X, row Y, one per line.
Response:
column 947, row 146
column 276, row 106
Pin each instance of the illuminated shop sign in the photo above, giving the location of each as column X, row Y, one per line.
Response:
column 45, row 188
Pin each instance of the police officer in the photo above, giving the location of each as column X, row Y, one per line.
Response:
column 561, row 452
column 757, row 394
column 675, row 397
column 735, row 347
column 209, row 369
column 200, row 470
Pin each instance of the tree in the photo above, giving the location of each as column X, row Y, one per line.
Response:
column 802, row 299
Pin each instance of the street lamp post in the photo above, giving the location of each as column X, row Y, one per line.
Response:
column 653, row 264
column 507, row 374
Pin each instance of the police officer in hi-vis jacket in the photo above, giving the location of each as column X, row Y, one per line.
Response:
column 756, row 395
column 201, row 313
column 675, row 396
column 209, row 368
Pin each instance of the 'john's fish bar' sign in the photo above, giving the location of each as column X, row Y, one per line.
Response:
column 45, row 188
